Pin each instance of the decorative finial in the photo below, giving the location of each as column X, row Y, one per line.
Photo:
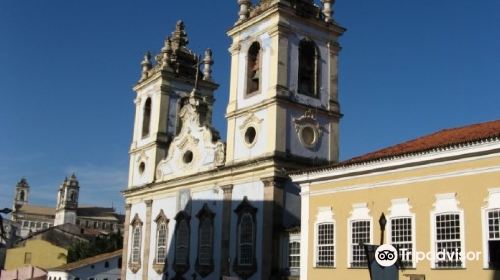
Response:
column 208, row 62
column 166, row 53
column 179, row 36
column 244, row 9
column 327, row 9
column 146, row 65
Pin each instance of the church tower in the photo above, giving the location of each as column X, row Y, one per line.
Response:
column 67, row 201
column 22, row 192
column 164, row 88
column 284, row 83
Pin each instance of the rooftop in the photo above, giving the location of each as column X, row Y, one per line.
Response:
column 443, row 139
column 88, row 261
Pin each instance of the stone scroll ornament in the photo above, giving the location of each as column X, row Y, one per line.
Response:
column 308, row 129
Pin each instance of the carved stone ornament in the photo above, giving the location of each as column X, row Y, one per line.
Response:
column 308, row 130
column 196, row 148
column 251, row 121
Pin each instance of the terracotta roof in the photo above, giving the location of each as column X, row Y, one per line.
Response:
column 35, row 209
column 62, row 236
column 88, row 261
column 98, row 213
column 444, row 139
column 440, row 139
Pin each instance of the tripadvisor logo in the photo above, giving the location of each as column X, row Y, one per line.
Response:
column 386, row 255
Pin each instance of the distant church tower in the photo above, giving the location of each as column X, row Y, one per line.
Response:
column 22, row 192
column 67, row 201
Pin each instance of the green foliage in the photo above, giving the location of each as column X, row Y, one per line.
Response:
column 99, row 245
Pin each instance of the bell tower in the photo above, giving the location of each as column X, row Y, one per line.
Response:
column 163, row 89
column 22, row 192
column 67, row 201
column 283, row 99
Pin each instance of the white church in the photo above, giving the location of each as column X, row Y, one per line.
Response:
column 200, row 207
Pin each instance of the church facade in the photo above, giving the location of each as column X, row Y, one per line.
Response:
column 198, row 207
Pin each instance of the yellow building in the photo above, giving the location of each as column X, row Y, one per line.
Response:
column 438, row 192
column 45, row 249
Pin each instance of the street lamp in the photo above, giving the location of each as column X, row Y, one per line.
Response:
column 382, row 222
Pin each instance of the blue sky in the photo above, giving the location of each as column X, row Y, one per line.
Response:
column 67, row 67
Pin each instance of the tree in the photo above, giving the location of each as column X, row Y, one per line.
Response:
column 99, row 245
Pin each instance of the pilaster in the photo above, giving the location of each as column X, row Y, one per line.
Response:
column 147, row 240
column 304, row 232
column 272, row 226
column 126, row 226
column 225, row 262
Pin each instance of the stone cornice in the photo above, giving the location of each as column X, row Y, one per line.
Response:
column 282, row 100
column 282, row 9
column 263, row 167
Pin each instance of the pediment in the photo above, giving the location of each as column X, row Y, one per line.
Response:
column 196, row 148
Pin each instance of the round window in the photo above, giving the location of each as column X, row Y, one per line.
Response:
column 308, row 136
column 187, row 157
column 250, row 134
column 142, row 167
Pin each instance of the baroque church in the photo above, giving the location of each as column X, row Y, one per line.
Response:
column 200, row 207
column 92, row 220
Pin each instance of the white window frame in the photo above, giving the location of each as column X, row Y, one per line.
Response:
column 360, row 212
column 492, row 204
column 161, row 260
column 160, row 220
column 325, row 216
column 293, row 238
column 137, row 229
column 400, row 209
column 447, row 203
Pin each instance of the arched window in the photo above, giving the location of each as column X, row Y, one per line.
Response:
column 246, row 240
column 161, row 244
column 254, row 68
column 136, row 245
column 21, row 195
column 182, row 236
column 146, row 118
column 246, row 263
column 308, row 81
column 161, row 241
column 204, row 263
column 72, row 196
column 135, row 255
